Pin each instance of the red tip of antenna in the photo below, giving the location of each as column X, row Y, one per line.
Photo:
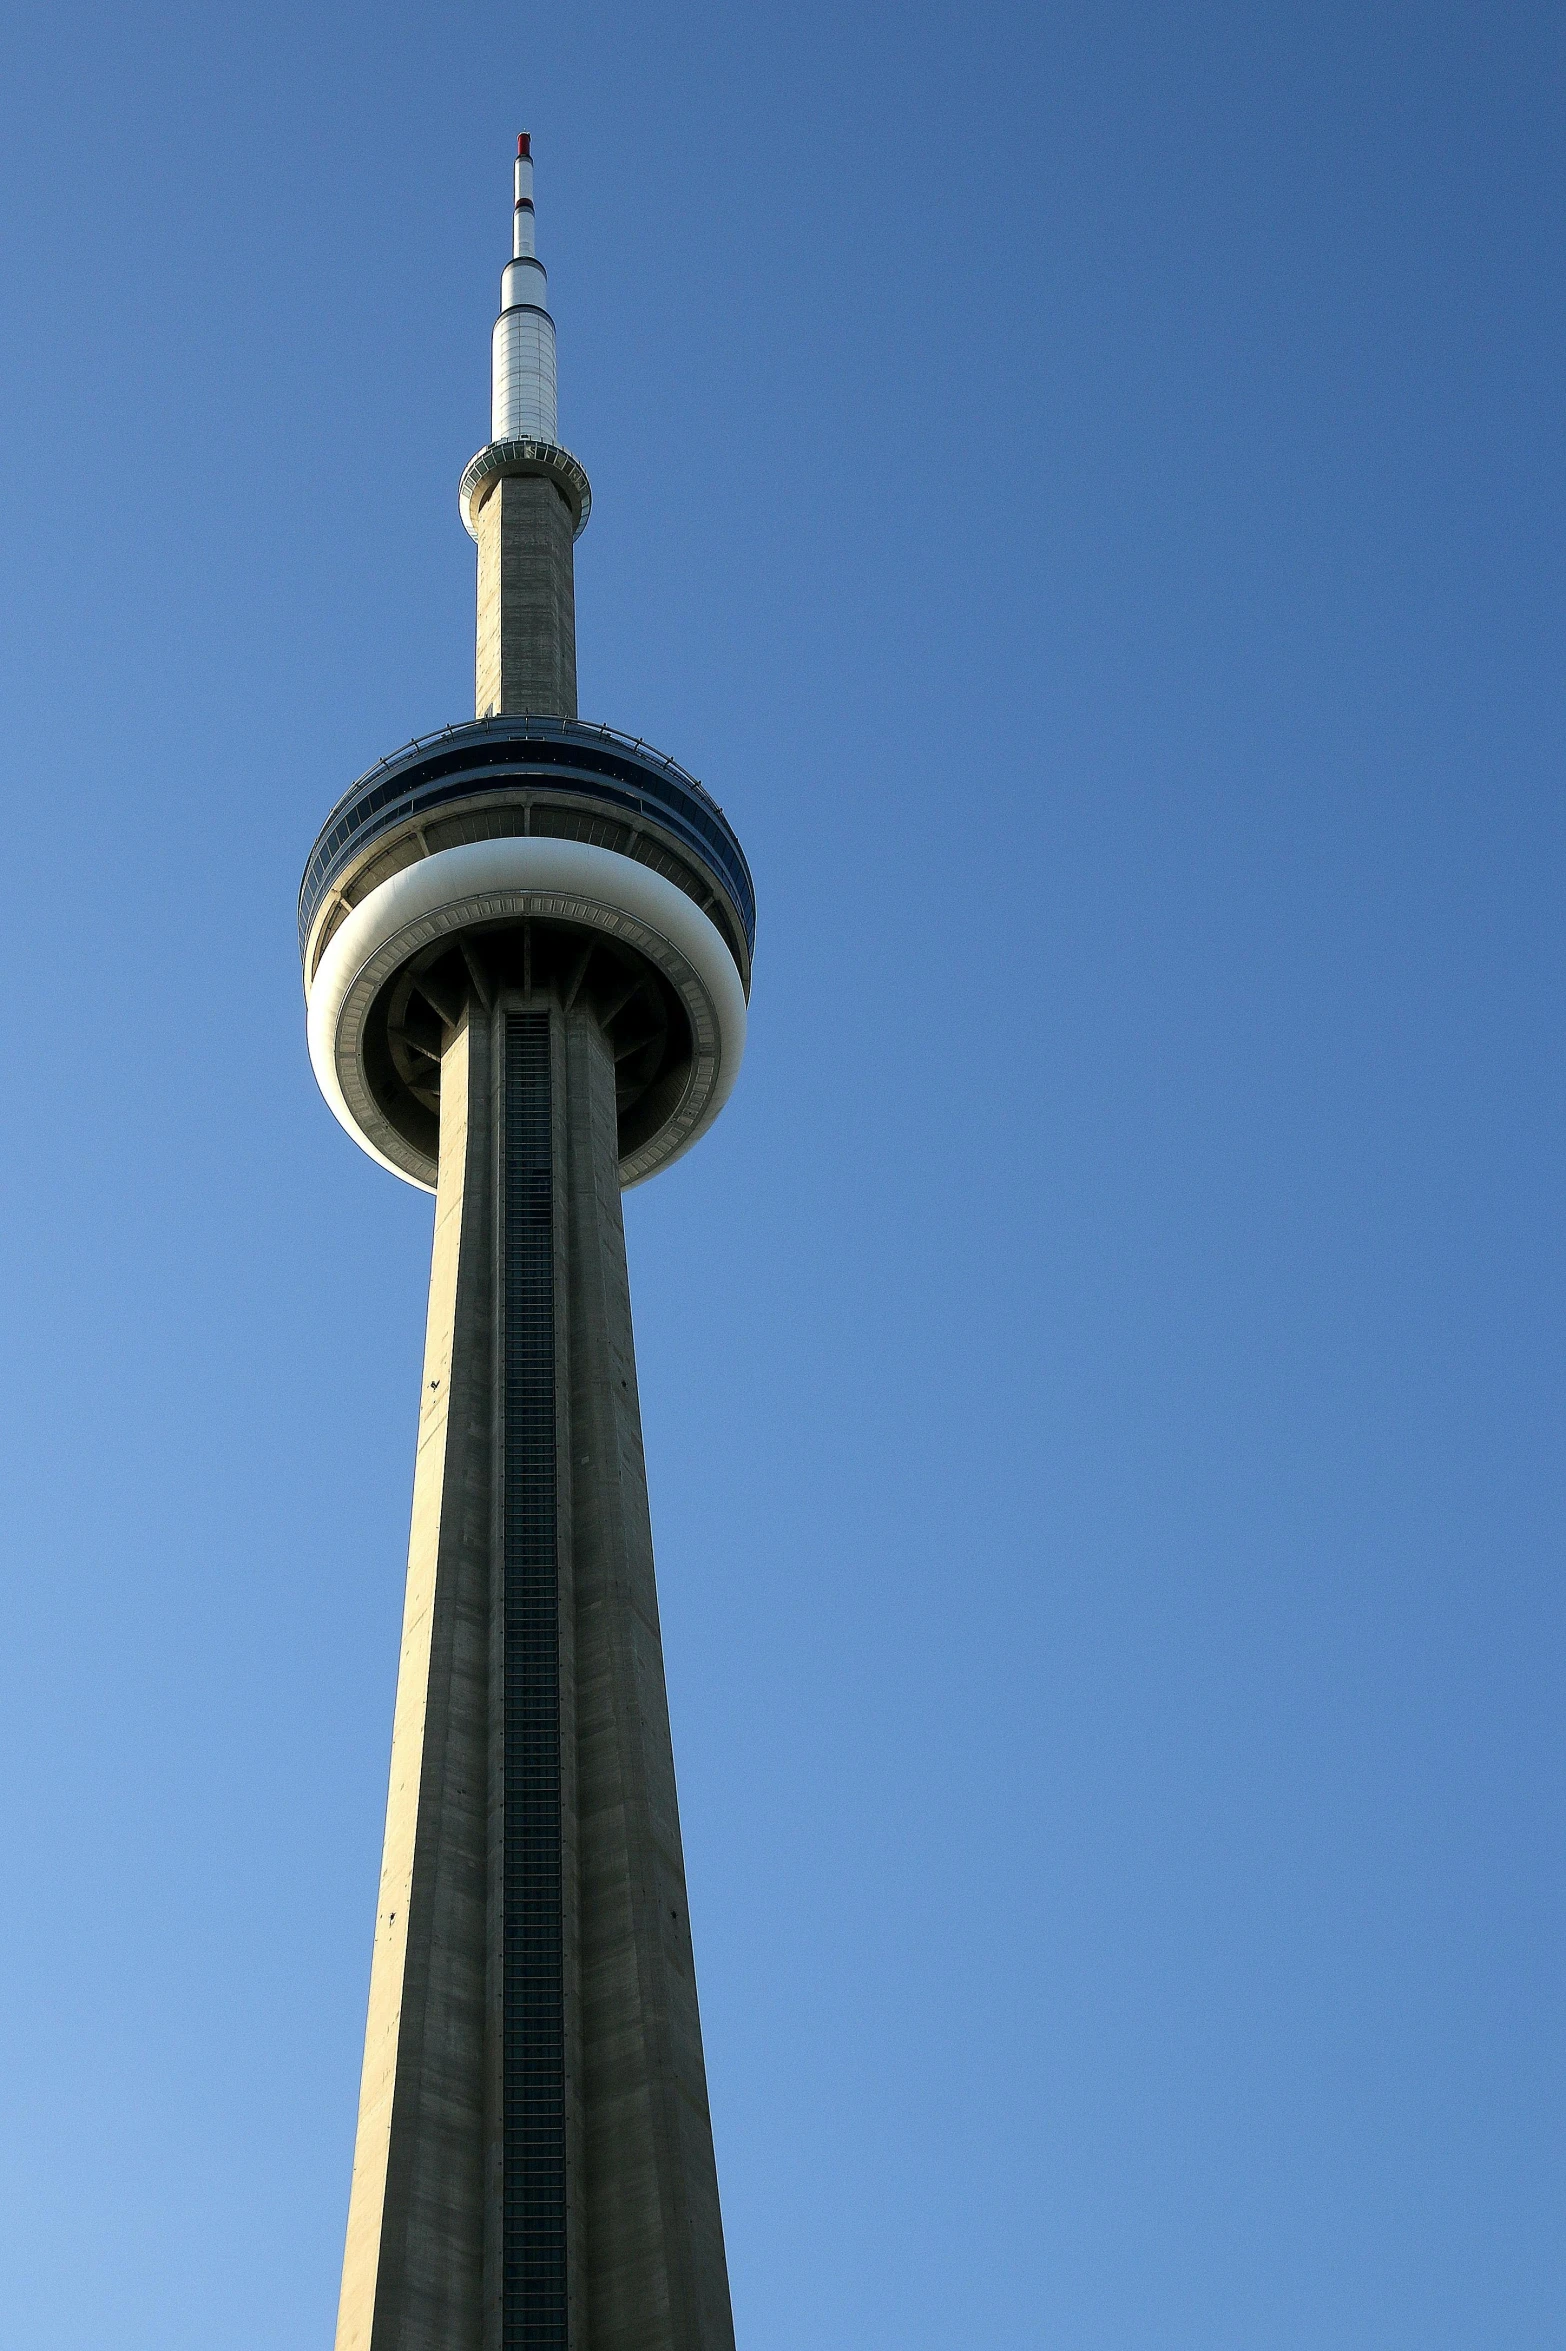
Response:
column 524, row 146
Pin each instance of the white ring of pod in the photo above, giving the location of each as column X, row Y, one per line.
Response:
column 507, row 880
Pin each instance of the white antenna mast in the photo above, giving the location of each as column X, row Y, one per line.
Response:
column 523, row 350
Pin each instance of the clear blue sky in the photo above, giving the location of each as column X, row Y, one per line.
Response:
column 1083, row 485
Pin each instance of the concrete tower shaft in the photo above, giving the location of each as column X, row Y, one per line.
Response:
column 526, row 947
column 526, row 653
column 534, row 2162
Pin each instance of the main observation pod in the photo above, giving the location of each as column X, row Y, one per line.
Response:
column 527, row 850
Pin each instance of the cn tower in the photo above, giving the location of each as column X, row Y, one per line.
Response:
column 526, row 945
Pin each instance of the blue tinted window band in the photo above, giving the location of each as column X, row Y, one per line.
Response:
column 559, row 756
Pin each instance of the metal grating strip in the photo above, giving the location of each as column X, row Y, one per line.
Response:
column 533, row 2250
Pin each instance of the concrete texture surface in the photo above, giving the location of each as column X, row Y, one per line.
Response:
column 435, row 2171
column 526, row 644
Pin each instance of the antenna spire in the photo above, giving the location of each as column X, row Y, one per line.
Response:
column 522, row 366
column 523, row 497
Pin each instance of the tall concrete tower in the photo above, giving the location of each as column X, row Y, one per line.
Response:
column 526, row 948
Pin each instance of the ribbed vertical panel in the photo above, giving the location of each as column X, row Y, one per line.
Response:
column 522, row 371
column 533, row 2057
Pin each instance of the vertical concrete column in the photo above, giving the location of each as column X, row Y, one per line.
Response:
column 657, row 2276
column 413, row 2266
column 526, row 646
column 534, row 2161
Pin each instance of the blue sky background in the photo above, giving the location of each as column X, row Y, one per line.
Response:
column 1083, row 486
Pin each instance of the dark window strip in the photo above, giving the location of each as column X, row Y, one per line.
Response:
column 533, row 2249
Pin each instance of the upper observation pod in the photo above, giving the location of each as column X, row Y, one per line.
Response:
column 524, row 412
